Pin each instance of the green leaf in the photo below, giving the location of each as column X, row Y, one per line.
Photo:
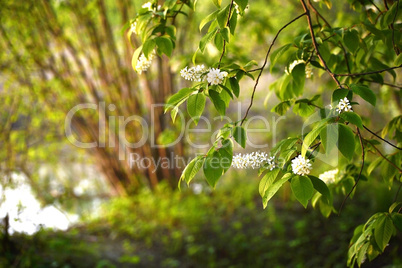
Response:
column 303, row 189
column 242, row 4
column 136, row 54
column 217, row 2
column 225, row 34
column 346, row 142
column 148, row 47
column 311, row 136
column 282, row 107
column 277, row 54
column 212, row 168
column 183, row 94
column 322, row 188
column 226, row 154
column 234, row 85
column 239, row 134
column 222, row 16
column 351, row 40
column 233, row 23
column 219, row 104
column 398, row 60
column 273, row 189
column 195, row 106
column 206, row 39
column 374, row 164
column 192, row 169
column 364, row 92
column 353, row 118
column 267, row 181
column 339, row 94
column 208, row 18
column 397, row 220
column 165, row 45
column 329, row 137
column 394, row 206
column 383, row 230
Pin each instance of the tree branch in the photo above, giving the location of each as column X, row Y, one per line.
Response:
column 265, row 63
column 389, row 161
column 224, row 41
column 381, row 138
column 372, row 72
column 310, row 25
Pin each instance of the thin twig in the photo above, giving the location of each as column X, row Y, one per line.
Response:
column 396, row 48
column 360, row 173
column 381, row 138
column 379, row 10
column 389, row 161
column 329, row 26
column 224, row 41
column 310, row 25
column 265, row 63
column 372, row 72
column 383, row 83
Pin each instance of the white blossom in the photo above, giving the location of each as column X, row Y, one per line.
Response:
column 193, row 73
column 215, row 76
column 143, row 63
column 344, row 106
column 329, row 176
column 301, row 166
column 253, row 160
column 147, row 5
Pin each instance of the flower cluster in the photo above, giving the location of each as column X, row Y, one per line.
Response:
column 344, row 106
column 143, row 63
column 215, row 76
column 193, row 73
column 253, row 160
column 329, row 176
column 301, row 166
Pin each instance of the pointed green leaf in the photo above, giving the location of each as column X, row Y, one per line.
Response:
column 195, row 106
column 303, row 189
column 364, row 92
column 212, row 168
column 239, row 134
column 192, row 169
column 346, row 141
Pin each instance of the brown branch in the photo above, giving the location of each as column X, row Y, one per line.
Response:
column 372, row 72
column 265, row 63
column 360, row 173
column 396, row 48
column 381, row 138
column 310, row 25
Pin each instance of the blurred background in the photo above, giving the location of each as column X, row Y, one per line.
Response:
column 65, row 206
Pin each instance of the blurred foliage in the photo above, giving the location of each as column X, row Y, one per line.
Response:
column 223, row 228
